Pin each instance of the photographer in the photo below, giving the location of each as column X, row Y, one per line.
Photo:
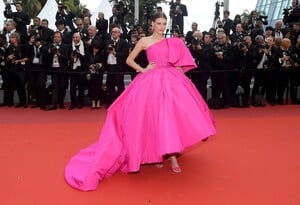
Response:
column 116, row 53
column 16, row 61
column 3, row 71
column 36, row 74
column 177, row 12
column 279, row 32
column 263, row 57
column 222, row 61
column 64, row 14
column 22, row 20
column 292, row 15
column 257, row 30
column 286, row 60
column 101, row 25
column 77, row 69
column 118, row 14
column 246, row 64
column 295, row 72
column 81, row 30
column 202, row 51
column 95, row 63
column 58, row 59
column 227, row 23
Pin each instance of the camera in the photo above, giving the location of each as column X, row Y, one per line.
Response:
column 265, row 46
column 96, row 68
column 263, row 19
column 54, row 49
column 242, row 45
column 8, row 13
column 110, row 47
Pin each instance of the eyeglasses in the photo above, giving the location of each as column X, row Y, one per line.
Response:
column 115, row 31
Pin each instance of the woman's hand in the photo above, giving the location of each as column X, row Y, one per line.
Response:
column 150, row 66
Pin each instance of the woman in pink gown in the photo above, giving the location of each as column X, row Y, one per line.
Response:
column 159, row 114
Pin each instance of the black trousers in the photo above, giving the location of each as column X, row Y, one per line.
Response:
column 77, row 83
column 37, row 84
column 259, row 87
column 3, row 74
column 200, row 81
column 221, row 85
column 114, row 83
column 59, row 84
column 95, row 86
column 16, row 80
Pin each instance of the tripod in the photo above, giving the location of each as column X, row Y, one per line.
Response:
column 217, row 21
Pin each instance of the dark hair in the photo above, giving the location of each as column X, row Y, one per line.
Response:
column 159, row 15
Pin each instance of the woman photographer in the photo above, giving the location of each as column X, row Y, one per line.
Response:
column 95, row 60
column 16, row 59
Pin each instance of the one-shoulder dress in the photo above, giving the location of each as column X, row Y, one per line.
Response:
column 160, row 112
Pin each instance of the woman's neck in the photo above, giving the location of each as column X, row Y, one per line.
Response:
column 157, row 36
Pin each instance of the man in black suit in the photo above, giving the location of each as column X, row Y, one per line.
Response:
column 116, row 54
column 177, row 12
column 36, row 74
column 66, row 35
column 46, row 34
column 118, row 17
column 22, row 20
column 58, row 57
column 227, row 23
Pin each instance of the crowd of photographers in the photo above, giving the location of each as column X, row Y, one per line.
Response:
column 78, row 54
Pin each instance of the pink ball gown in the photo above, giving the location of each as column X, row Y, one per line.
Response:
column 159, row 113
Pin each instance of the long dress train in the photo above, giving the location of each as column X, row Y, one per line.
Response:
column 159, row 113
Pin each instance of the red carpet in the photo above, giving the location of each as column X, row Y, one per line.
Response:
column 254, row 159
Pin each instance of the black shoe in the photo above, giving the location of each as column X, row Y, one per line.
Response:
column 34, row 106
column 62, row 106
column 10, row 104
column 79, row 106
column 21, row 105
column 3, row 104
column 51, row 107
column 71, row 107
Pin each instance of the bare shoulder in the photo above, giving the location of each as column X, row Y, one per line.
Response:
column 144, row 42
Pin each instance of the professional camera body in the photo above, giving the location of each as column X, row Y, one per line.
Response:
column 218, row 50
column 8, row 13
column 54, row 49
column 96, row 68
column 263, row 19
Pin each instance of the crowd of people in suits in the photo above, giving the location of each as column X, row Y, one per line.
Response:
column 78, row 54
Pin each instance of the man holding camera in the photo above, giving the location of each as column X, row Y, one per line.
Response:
column 22, row 20
column 116, row 53
column 202, row 51
column 177, row 13
column 58, row 56
column 36, row 74
column 246, row 64
column 66, row 16
column 222, row 61
column 77, row 68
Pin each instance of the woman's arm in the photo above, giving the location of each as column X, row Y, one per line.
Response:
column 134, row 53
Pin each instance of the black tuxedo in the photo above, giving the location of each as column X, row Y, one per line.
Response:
column 46, row 34
column 116, row 79
column 228, row 25
column 59, row 80
column 22, row 20
column 36, row 74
